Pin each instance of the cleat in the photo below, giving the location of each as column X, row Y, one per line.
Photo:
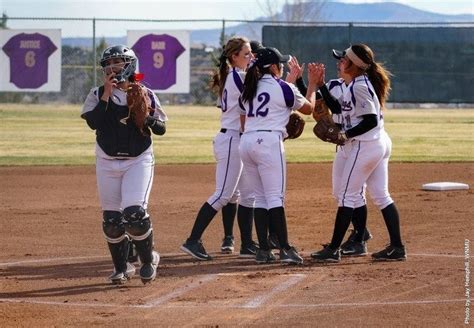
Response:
column 249, row 250
column 227, row 245
column 148, row 270
column 290, row 256
column 119, row 278
column 196, row 250
column 353, row 248
column 351, row 238
column 263, row 256
column 327, row 254
column 273, row 241
column 391, row 253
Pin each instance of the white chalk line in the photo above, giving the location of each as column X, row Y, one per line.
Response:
column 97, row 257
column 259, row 300
column 180, row 291
column 200, row 305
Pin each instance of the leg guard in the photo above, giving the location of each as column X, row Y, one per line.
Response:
column 138, row 227
column 114, row 231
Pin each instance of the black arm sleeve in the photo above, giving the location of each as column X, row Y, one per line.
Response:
column 157, row 127
column 97, row 115
column 368, row 122
column 301, row 86
column 332, row 103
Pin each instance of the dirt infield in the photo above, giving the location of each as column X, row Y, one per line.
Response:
column 54, row 260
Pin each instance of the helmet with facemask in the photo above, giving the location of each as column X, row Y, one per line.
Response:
column 124, row 53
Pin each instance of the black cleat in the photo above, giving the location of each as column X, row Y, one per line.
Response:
column 352, row 248
column 249, row 250
column 227, row 246
column 290, row 256
column 264, row 257
column 119, row 278
column 196, row 250
column 327, row 254
column 148, row 270
column 391, row 253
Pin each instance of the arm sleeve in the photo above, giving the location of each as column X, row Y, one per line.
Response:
column 332, row 103
column 369, row 121
column 301, row 85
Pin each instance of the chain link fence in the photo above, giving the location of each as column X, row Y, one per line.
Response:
column 80, row 55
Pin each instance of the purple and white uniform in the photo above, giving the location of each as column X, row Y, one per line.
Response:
column 231, row 183
column 363, row 160
column 261, row 145
column 29, row 55
column 157, row 54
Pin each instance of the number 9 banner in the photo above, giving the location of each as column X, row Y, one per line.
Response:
column 30, row 60
column 163, row 58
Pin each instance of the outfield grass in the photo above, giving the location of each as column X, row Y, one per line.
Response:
column 56, row 135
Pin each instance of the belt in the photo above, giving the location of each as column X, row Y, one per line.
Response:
column 264, row 130
column 223, row 130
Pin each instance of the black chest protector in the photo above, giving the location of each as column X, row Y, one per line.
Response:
column 118, row 139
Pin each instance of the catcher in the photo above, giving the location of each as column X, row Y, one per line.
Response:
column 123, row 112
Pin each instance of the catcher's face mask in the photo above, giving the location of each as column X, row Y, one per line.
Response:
column 121, row 60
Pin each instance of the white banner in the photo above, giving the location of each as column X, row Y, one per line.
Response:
column 30, row 60
column 164, row 59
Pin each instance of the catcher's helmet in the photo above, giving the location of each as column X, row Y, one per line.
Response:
column 122, row 52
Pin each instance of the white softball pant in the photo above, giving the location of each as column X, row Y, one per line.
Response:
column 125, row 182
column 359, row 164
column 263, row 155
column 231, row 182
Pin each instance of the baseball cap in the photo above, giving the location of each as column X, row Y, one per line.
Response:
column 269, row 55
column 255, row 45
column 338, row 54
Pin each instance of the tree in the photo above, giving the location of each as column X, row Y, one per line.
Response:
column 292, row 10
column 3, row 21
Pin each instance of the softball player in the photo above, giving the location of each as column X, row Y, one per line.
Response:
column 363, row 160
column 267, row 103
column 124, row 164
column 231, row 182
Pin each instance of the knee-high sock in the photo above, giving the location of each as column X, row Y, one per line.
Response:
column 261, row 225
column 278, row 217
column 204, row 217
column 359, row 221
column 343, row 219
column 228, row 217
column 245, row 221
column 392, row 221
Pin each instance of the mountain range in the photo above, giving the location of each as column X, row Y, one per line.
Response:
column 330, row 12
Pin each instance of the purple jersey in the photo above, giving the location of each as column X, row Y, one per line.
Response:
column 29, row 55
column 157, row 54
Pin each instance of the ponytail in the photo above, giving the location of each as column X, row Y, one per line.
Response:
column 250, row 84
column 378, row 75
column 380, row 79
column 220, row 75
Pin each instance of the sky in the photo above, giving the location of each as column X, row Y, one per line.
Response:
column 176, row 9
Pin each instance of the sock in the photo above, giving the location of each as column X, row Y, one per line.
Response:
column 392, row 221
column 204, row 217
column 343, row 219
column 228, row 217
column 245, row 221
column 261, row 225
column 277, row 216
column 359, row 221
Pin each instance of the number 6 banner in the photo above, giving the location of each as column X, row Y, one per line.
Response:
column 163, row 58
column 30, row 60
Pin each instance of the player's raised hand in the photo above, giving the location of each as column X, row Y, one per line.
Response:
column 110, row 82
column 295, row 70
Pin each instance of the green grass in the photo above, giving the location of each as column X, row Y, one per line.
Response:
column 56, row 135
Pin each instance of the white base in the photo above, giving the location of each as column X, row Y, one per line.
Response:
column 439, row 186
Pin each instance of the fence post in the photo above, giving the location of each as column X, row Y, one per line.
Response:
column 94, row 55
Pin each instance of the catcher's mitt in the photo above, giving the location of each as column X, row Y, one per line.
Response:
column 295, row 126
column 320, row 110
column 327, row 130
column 138, row 103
